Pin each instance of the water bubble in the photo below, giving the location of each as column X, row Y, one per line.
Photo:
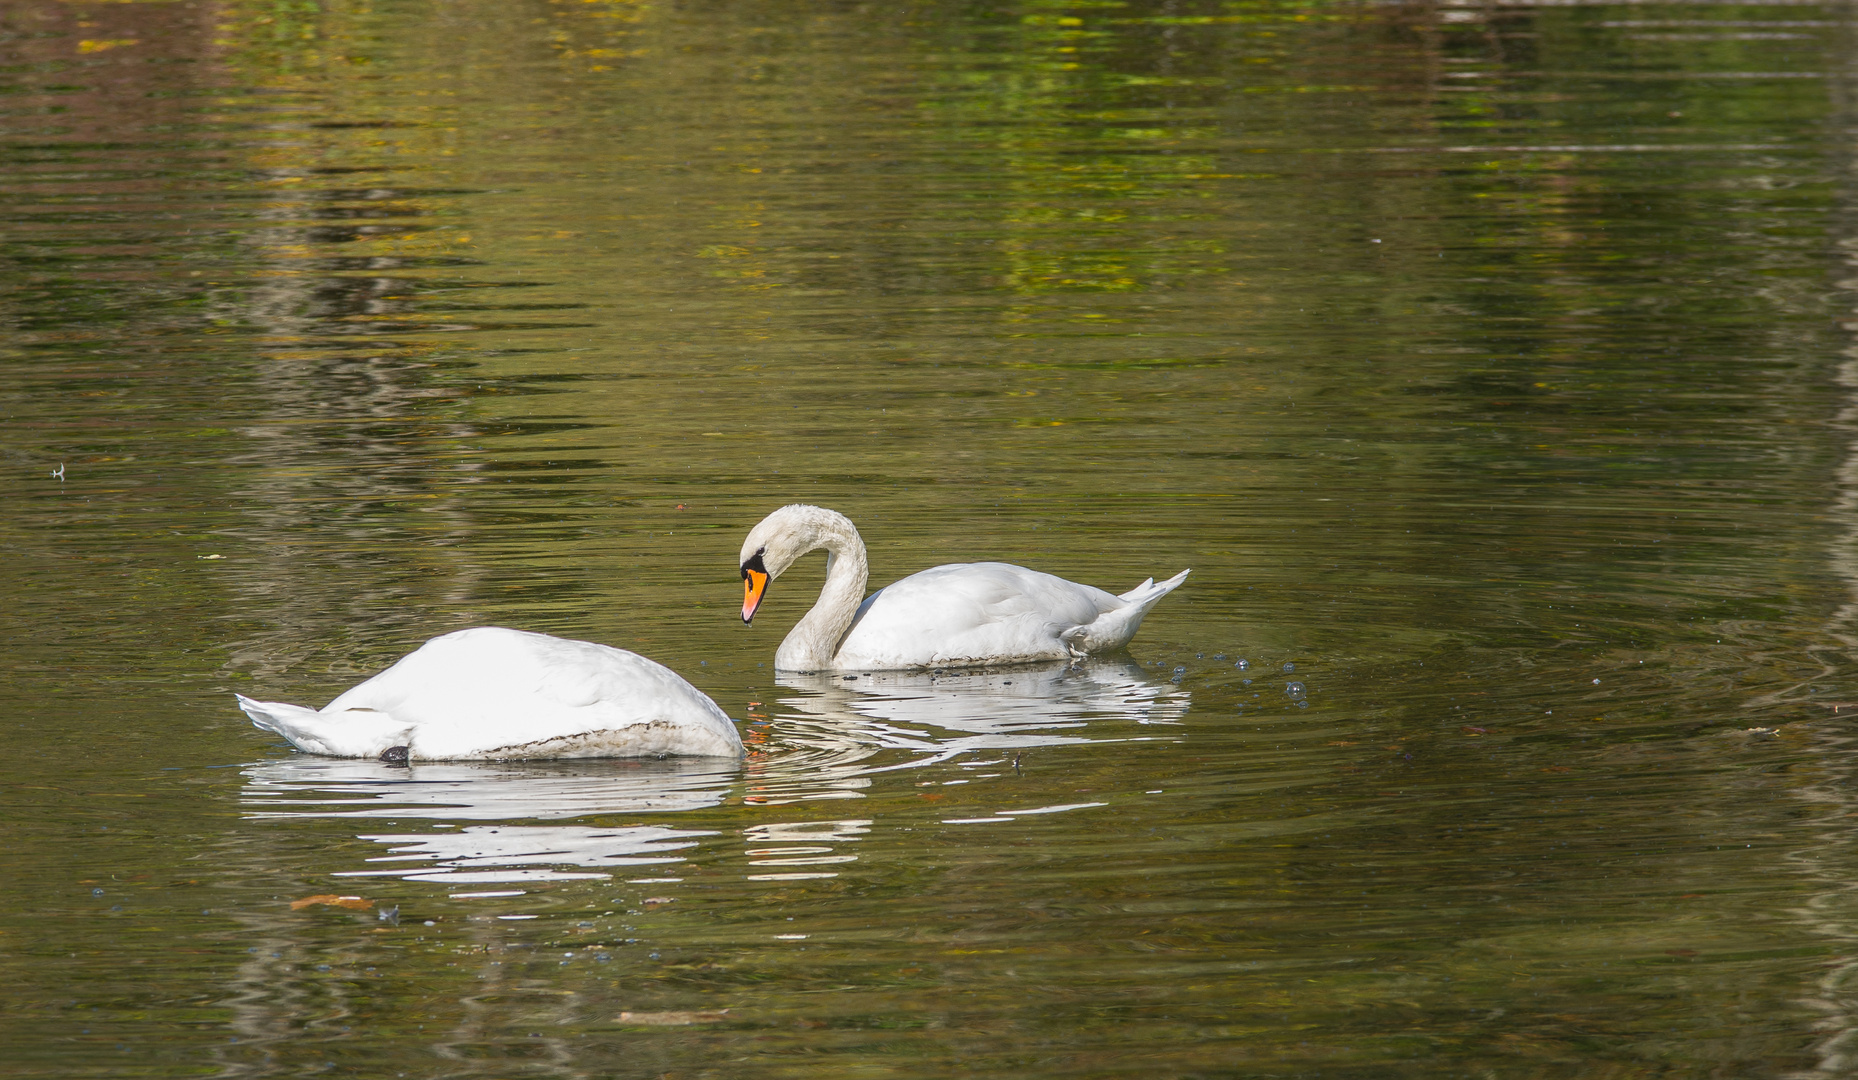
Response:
column 1290, row 667
column 1243, row 664
column 1294, row 689
column 1180, row 670
column 1219, row 656
column 1199, row 656
column 1245, row 682
column 96, row 892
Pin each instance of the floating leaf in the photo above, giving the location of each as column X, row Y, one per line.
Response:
column 332, row 900
column 672, row 1019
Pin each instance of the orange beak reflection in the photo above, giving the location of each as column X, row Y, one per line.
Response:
column 754, row 586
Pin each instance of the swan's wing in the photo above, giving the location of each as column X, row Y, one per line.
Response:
column 966, row 613
column 493, row 692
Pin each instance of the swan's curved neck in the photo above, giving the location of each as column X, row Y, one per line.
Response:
column 814, row 640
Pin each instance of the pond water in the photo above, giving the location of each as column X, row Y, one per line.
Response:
column 1490, row 363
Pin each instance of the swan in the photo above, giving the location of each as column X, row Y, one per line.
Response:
column 957, row 615
column 489, row 693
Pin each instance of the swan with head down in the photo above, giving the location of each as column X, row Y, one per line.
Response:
column 490, row 693
column 957, row 615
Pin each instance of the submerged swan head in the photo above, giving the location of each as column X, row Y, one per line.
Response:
column 785, row 535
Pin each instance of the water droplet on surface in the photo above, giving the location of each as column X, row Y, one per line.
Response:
column 1294, row 689
column 1290, row 667
column 1243, row 664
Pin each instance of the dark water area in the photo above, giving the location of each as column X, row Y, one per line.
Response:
column 1490, row 364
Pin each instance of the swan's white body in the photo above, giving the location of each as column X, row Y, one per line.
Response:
column 495, row 694
column 958, row 615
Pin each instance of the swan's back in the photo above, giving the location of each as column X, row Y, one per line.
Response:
column 968, row 613
column 495, row 692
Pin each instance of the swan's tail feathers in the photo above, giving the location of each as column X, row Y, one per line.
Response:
column 1148, row 592
column 349, row 733
column 274, row 715
column 1113, row 629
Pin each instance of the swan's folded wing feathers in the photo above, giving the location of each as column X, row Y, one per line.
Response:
column 575, row 679
column 966, row 613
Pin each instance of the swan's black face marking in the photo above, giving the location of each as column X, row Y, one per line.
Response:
column 754, row 584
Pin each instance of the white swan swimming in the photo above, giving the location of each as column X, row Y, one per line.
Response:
column 494, row 694
column 957, row 615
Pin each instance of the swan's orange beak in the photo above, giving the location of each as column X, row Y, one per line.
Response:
column 754, row 586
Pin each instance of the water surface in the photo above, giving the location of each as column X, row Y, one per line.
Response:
column 1489, row 364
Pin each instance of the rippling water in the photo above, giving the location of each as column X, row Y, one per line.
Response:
column 1489, row 364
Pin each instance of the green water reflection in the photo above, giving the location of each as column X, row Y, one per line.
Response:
column 1488, row 363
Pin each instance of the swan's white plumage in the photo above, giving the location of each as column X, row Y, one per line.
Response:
column 956, row 615
column 492, row 693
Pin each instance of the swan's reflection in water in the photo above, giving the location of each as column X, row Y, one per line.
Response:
column 833, row 729
column 323, row 787
column 826, row 740
column 469, row 791
column 474, row 855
